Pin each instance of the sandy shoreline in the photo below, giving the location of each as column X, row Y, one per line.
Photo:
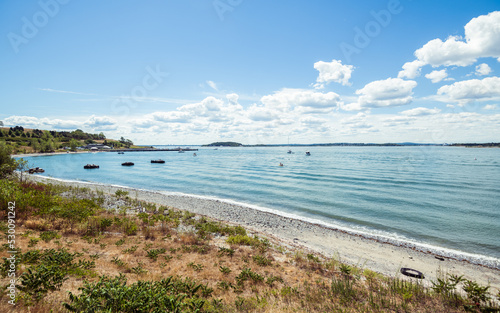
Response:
column 381, row 257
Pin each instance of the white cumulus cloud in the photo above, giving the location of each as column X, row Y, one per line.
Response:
column 483, row 69
column 262, row 114
column 411, row 70
column 288, row 98
column 482, row 39
column 437, row 76
column 472, row 90
column 333, row 71
column 101, row 123
column 421, row 111
column 172, row 117
column 390, row 92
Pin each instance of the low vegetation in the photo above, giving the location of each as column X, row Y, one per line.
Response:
column 76, row 255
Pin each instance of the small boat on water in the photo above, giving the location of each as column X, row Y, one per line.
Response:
column 127, row 164
column 90, row 166
column 36, row 170
column 121, row 152
column 158, row 161
column 289, row 152
column 308, row 153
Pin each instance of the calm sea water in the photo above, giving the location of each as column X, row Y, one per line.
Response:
column 442, row 199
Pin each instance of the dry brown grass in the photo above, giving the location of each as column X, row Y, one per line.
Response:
column 291, row 281
column 305, row 285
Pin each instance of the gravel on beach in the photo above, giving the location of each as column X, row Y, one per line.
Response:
column 356, row 250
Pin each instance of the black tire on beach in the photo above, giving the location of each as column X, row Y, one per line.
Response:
column 412, row 273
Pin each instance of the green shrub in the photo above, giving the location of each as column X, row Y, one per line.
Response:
column 47, row 236
column 196, row 267
column 242, row 240
column 105, row 223
column 476, row 293
column 37, row 282
column 119, row 193
column 131, row 249
column 261, row 260
column 225, row 251
column 247, row 274
column 153, row 254
column 113, row 295
column 7, row 164
column 270, row 280
column 33, row 242
column 129, row 227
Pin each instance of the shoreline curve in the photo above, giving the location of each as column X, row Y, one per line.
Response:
column 378, row 255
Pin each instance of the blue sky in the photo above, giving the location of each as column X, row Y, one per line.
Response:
column 195, row 71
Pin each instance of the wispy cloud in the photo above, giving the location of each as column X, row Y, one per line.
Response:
column 66, row 91
column 212, row 85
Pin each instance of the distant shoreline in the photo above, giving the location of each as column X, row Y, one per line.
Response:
column 47, row 153
column 350, row 144
column 87, row 151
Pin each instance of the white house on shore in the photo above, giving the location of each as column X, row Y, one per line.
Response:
column 96, row 146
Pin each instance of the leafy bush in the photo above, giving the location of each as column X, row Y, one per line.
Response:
column 48, row 272
column 7, row 164
column 130, row 227
column 206, row 226
column 196, row 267
column 153, row 254
column 476, row 293
column 105, row 223
column 119, row 193
column 225, row 251
column 247, row 274
column 270, row 280
column 113, row 295
column 242, row 240
column 262, row 260
column 47, row 236
column 37, row 282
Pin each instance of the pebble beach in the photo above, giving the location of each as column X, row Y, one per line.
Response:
column 381, row 257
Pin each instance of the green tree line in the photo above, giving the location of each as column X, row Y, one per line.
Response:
column 49, row 141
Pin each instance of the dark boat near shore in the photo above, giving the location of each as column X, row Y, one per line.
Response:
column 127, row 164
column 158, row 161
column 121, row 152
column 36, row 170
column 90, row 166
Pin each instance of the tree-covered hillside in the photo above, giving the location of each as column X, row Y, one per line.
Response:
column 24, row 140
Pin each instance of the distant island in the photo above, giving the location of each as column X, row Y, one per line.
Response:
column 477, row 145
column 224, row 144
